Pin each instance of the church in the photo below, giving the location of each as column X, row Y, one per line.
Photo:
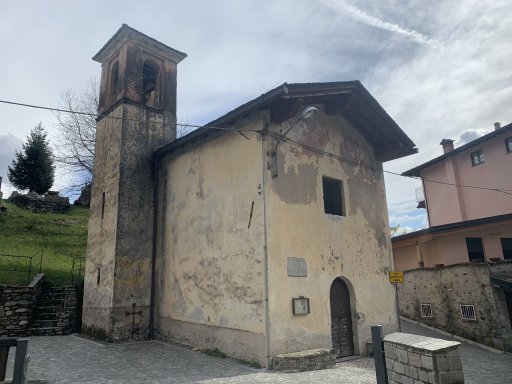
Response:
column 264, row 232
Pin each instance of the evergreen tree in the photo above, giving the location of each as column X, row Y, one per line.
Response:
column 33, row 167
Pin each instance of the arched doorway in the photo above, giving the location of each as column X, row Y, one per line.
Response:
column 341, row 319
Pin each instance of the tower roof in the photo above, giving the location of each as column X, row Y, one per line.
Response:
column 127, row 33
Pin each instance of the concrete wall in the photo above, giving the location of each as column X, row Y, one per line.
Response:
column 120, row 243
column 210, row 272
column 449, row 287
column 449, row 247
column 355, row 247
column 102, row 234
column 448, row 204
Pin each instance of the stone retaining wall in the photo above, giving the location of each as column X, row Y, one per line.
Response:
column 445, row 289
column 413, row 359
column 16, row 304
column 50, row 202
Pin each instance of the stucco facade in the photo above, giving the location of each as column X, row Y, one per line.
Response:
column 448, row 203
column 463, row 201
column 207, row 239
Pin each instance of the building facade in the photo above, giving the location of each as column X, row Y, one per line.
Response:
column 458, row 272
column 264, row 232
column 468, row 197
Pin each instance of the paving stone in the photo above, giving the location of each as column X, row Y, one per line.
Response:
column 70, row 359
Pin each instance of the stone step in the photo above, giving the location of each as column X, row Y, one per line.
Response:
column 46, row 331
column 45, row 323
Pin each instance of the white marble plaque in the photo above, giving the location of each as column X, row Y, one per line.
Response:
column 297, row 267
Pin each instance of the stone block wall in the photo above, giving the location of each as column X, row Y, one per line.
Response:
column 447, row 288
column 413, row 359
column 16, row 304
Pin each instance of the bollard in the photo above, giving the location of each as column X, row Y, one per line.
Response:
column 18, row 374
column 5, row 344
column 378, row 355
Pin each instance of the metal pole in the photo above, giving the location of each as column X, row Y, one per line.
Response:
column 378, row 355
column 398, row 308
column 29, row 271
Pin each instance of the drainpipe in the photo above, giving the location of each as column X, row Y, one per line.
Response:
column 265, row 250
column 153, row 255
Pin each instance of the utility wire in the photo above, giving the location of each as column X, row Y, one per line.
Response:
column 282, row 137
column 121, row 118
column 357, row 163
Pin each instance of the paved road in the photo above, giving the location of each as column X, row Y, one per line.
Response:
column 70, row 359
column 479, row 365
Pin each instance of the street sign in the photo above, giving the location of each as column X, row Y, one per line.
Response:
column 396, row 277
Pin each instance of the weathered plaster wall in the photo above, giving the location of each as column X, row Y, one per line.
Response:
column 120, row 244
column 210, row 271
column 449, row 287
column 355, row 247
column 101, row 240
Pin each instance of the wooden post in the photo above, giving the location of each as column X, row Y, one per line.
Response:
column 19, row 362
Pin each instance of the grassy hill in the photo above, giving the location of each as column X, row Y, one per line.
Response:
column 60, row 237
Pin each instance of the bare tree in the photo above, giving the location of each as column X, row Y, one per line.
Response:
column 74, row 148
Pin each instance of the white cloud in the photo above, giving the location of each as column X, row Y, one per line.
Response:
column 365, row 18
column 470, row 135
column 439, row 68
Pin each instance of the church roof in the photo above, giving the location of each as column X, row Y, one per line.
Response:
column 349, row 98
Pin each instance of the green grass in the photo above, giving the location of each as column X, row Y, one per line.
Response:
column 24, row 233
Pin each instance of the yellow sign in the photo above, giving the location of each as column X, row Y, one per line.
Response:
column 396, row 277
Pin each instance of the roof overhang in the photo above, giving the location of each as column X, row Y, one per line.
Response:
column 417, row 170
column 448, row 229
column 350, row 99
column 128, row 34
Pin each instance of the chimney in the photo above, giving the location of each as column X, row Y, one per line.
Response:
column 447, row 145
column 497, row 126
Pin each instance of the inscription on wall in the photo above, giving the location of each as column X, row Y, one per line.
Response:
column 297, row 267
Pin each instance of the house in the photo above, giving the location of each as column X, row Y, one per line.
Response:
column 264, row 232
column 459, row 270
column 468, row 196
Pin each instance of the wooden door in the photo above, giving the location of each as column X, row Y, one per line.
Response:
column 341, row 319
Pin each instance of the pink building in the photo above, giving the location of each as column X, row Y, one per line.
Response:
column 468, row 197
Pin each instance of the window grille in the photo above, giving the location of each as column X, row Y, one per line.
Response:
column 426, row 310
column 468, row 312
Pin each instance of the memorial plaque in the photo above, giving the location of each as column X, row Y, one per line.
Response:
column 297, row 267
column 300, row 305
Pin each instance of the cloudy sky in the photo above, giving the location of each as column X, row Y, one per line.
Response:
column 441, row 69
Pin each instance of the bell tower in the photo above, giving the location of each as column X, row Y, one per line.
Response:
column 137, row 108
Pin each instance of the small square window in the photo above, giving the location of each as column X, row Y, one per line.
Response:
column 426, row 310
column 333, row 196
column 468, row 312
column 477, row 157
column 475, row 249
column 508, row 144
column 506, row 246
